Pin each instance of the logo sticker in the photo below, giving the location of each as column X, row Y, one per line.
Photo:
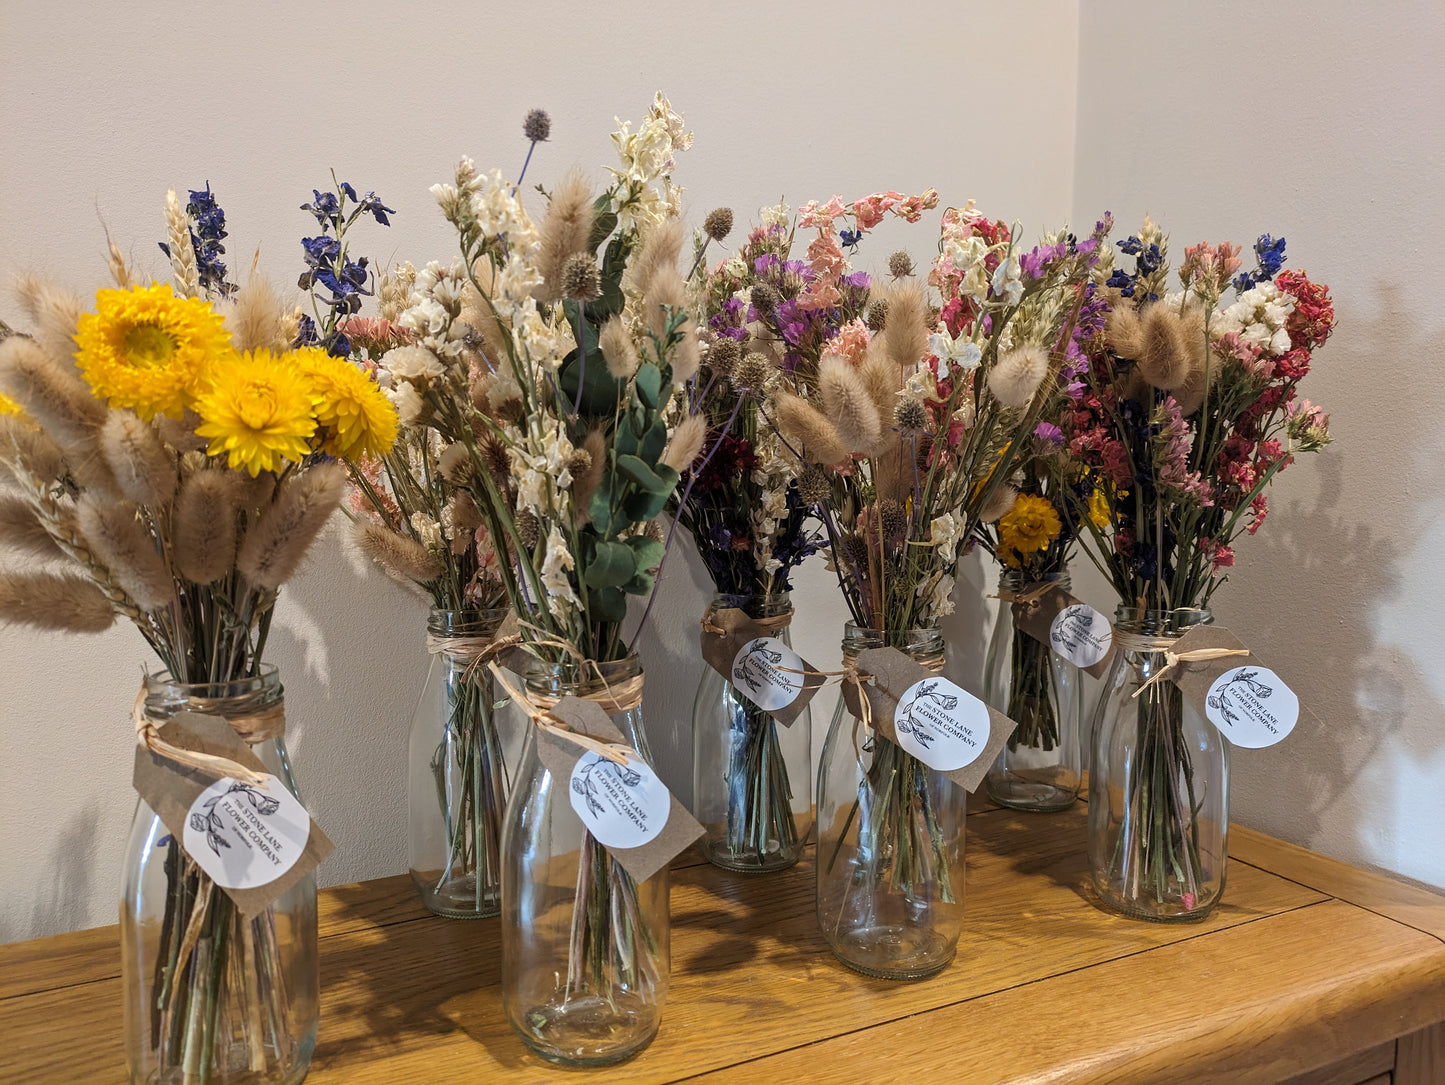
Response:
column 1081, row 635
column 1252, row 707
column 941, row 724
column 623, row 806
column 246, row 835
column 768, row 673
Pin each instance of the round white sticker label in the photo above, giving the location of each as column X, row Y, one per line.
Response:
column 941, row 724
column 1252, row 707
column 246, row 835
column 1081, row 635
column 768, row 673
column 623, row 806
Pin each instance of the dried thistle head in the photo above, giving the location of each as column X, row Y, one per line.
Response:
column 494, row 457
column 529, row 528
column 763, row 298
column 579, row 462
column 537, row 126
column 900, row 265
column 813, row 485
column 580, row 280
column 910, row 416
column 877, row 318
column 855, row 551
column 455, row 464
column 892, row 521
column 719, row 223
column 563, row 236
column 750, row 374
column 724, row 355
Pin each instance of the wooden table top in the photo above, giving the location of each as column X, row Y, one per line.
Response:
column 1307, row 963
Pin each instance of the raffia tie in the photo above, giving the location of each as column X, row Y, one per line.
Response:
column 776, row 624
column 1029, row 596
column 253, row 728
column 614, row 698
column 1136, row 642
column 475, row 652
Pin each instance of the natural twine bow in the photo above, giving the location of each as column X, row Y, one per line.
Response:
column 253, row 728
column 1172, row 659
column 769, row 626
column 622, row 696
column 476, row 651
column 1029, row 596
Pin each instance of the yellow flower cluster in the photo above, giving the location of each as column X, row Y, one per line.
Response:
column 156, row 353
column 1026, row 529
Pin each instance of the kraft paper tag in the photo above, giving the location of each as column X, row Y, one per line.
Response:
column 1249, row 704
column 627, row 808
column 759, row 665
column 943, row 725
column 1074, row 630
column 515, row 657
column 255, row 841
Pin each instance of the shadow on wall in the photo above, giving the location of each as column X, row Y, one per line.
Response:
column 1350, row 602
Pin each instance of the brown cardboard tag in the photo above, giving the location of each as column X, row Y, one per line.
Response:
column 221, row 821
column 940, row 723
column 1259, row 711
column 1038, row 616
column 626, row 807
column 759, row 666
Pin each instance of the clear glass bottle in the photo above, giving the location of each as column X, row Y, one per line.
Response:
column 890, row 839
column 1039, row 768
column 752, row 776
column 1158, row 781
column 584, row 947
column 210, row 994
column 457, row 771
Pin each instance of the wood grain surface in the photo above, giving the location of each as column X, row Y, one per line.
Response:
column 1286, row 979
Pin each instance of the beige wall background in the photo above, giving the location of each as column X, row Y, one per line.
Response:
column 1310, row 122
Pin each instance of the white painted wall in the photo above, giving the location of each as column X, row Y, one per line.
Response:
column 1323, row 122
column 107, row 105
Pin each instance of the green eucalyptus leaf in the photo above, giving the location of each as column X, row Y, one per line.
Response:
column 601, row 505
column 641, row 584
column 609, row 604
column 600, row 389
column 641, row 507
column 648, row 551
column 612, row 565
column 654, row 440
column 649, row 384
column 635, row 469
column 603, row 223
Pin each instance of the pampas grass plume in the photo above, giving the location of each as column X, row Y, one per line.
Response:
column 665, row 297
column 848, row 405
column 401, row 558
column 273, row 548
column 114, row 534
column 205, row 525
column 22, row 529
column 53, row 311
column 255, row 316
column 585, row 483
column 907, row 330
column 565, row 231
column 1164, row 353
column 808, row 429
column 618, row 349
column 1017, row 375
column 1002, row 500
column 658, row 255
column 63, row 602
column 685, row 444
column 143, row 469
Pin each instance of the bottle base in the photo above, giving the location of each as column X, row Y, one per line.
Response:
column 1041, row 796
column 457, row 899
column 1154, row 911
column 584, row 1031
column 894, row 952
column 748, row 861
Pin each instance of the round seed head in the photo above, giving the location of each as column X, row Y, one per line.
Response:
column 751, row 373
column 529, row 528
column 764, row 298
column 900, row 265
column 724, row 355
column 537, row 126
column 893, row 520
column 877, row 317
column 910, row 416
column 579, row 278
column 719, row 223
column 814, row 486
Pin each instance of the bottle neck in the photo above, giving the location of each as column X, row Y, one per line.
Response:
column 1014, row 580
column 1137, row 629
column 923, row 645
column 615, row 686
column 758, row 607
column 254, row 706
column 471, row 622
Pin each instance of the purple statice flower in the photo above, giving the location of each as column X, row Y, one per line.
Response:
column 1047, row 431
column 858, row 280
column 766, row 262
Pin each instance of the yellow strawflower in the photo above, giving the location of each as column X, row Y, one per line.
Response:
column 1027, row 528
column 260, row 410
column 8, row 405
column 1099, row 507
column 146, row 349
column 357, row 418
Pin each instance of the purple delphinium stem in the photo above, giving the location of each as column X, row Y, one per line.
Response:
column 686, row 493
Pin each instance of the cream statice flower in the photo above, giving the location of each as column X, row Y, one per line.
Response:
column 937, row 594
column 428, row 531
column 943, row 532
column 411, row 364
column 555, row 567
column 542, row 342
column 408, row 404
column 1259, row 317
column 777, row 215
column 541, row 464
